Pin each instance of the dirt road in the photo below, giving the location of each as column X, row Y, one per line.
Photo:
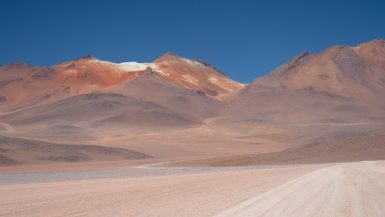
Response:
column 351, row 189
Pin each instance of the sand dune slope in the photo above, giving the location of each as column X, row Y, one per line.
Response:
column 355, row 189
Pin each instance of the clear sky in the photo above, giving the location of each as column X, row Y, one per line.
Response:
column 244, row 39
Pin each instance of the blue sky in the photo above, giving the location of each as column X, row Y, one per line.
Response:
column 244, row 39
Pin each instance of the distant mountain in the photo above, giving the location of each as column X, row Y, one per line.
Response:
column 340, row 84
column 25, row 85
column 357, row 72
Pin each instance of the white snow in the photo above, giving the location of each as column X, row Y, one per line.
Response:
column 132, row 66
column 192, row 62
column 157, row 69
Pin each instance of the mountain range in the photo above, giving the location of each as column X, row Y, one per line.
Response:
column 325, row 107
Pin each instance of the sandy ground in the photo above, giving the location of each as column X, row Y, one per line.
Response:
column 348, row 189
column 353, row 189
column 168, row 193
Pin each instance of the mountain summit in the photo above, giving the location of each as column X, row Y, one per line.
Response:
column 346, row 71
column 87, row 74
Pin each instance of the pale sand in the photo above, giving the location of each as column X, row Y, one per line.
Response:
column 349, row 189
column 201, row 194
column 352, row 189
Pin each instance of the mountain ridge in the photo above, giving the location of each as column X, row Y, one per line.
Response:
column 182, row 108
column 342, row 70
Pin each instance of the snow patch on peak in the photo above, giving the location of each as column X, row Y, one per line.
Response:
column 187, row 60
column 129, row 66
column 133, row 66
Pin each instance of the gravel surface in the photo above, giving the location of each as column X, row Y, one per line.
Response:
column 120, row 172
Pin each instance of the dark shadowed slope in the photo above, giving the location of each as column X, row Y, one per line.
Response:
column 25, row 151
column 155, row 88
column 98, row 110
column 357, row 144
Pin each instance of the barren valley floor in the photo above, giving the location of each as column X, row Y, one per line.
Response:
column 344, row 189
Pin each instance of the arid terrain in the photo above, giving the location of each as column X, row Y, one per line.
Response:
column 177, row 137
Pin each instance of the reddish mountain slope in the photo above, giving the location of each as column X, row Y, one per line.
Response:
column 356, row 72
column 87, row 74
column 340, row 87
column 195, row 74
